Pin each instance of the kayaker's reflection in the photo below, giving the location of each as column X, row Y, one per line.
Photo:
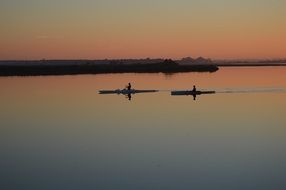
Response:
column 195, row 96
column 129, row 97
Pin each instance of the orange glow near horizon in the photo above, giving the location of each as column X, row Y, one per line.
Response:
column 133, row 29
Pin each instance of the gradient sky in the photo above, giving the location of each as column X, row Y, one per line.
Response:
column 96, row 29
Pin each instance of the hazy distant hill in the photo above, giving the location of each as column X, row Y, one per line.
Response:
column 197, row 61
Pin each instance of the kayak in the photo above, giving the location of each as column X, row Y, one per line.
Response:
column 125, row 91
column 190, row 92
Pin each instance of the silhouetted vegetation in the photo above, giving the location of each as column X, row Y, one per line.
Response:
column 167, row 66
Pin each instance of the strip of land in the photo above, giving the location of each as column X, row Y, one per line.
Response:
column 38, row 68
column 252, row 65
column 77, row 67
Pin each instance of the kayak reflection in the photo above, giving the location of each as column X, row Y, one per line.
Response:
column 127, row 92
column 193, row 93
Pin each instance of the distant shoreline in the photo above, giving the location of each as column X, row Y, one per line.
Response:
column 252, row 65
column 79, row 67
column 46, row 69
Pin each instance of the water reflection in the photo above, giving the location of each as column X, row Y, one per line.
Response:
column 193, row 93
column 129, row 96
column 59, row 132
column 127, row 92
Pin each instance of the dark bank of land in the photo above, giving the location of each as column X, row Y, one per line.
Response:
column 38, row 68
column 250, row 63
column 76, row 67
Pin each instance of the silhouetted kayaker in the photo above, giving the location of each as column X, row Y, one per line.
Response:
column 194, row 89
column 129, row 86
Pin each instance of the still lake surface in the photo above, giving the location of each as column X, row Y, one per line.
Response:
column 58, row 133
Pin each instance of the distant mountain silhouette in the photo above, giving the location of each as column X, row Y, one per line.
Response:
column 199, row 60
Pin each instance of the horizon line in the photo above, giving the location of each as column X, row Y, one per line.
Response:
column 175, row 59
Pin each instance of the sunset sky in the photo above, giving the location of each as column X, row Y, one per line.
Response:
column 98, row 29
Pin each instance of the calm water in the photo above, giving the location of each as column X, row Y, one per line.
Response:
column 59, row 133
